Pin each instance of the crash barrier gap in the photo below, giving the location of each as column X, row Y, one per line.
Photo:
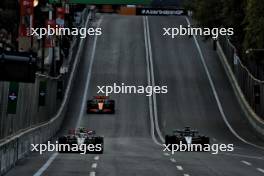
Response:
column 17, row 147
column 248, row 89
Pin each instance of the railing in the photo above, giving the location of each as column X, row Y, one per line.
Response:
column 252, row 88
column 16, row 147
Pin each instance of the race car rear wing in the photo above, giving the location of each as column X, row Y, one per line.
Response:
column 74, row 131
column 101, row 97
column 186, row 131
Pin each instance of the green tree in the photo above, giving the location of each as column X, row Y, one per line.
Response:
column 208, row 13
column 254, row 21
column 233, row 17
column 254, row 35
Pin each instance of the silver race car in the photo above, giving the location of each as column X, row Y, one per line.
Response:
column 80, row 139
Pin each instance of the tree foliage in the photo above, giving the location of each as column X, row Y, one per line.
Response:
column 254, row 22
column 245, row 16
column 233, row 16
column 207, row 12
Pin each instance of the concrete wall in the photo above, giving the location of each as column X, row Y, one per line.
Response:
column 18, row 146
column 28, row 113
column 253, row 118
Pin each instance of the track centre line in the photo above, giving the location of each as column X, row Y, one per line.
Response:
column 246, row 163
column 173, row 160
column 216, row 95
column 54, row 155
column 94, row 165
column 96, row 157
column 260, row 170
column 166, row 154
column 92, row 173
column 179, row 168
column 242, row 156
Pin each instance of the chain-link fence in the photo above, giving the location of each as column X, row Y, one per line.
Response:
column 252, row 87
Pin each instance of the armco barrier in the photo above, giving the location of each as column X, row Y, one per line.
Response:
column 253, row 118
column 15, row 148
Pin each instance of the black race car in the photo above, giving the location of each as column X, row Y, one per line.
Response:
column 101, row 104
column 81, row 140
column 187, row 136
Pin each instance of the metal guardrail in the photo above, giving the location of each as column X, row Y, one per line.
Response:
column 248, row 89
column 252, row 87
column 16, row 147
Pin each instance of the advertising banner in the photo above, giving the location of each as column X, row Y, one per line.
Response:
column 12, row 97
column 60, row 15
column 49, row 39
column 161, row 11
column 26, row 17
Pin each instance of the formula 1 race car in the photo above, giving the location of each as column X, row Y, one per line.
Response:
column 81, row 140
column 187, row 136
column 101, row 104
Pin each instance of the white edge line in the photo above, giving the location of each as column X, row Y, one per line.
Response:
column 65, row 99
column 88, row 78
column 216, row 95
column 46, row 165
column 153, row 83
column 149, row 82
column 54, row 155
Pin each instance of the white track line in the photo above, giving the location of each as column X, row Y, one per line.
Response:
column 152, row 132
column 246, row 163
column 153, row 82
column 166, row 154
column 96, row 158
column 92, row 173
column 173, row 160
column 179, row 168
column 94, row 165
column 54, row 155
column 88, row 78
column 216, row 95
column 242, row 156
column 260, row 170
column 186, row 175
column 46, row 165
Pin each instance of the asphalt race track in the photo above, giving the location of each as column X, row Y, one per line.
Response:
column 122, row 55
